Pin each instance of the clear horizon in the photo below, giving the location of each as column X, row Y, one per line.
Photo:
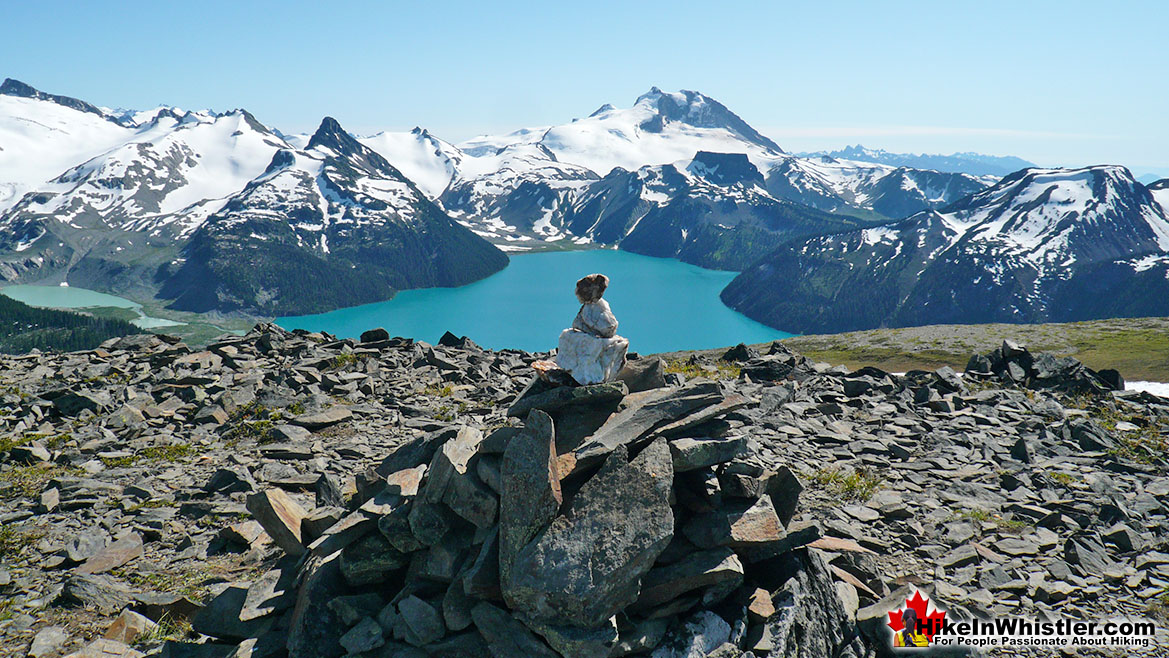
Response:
column 1059, row 84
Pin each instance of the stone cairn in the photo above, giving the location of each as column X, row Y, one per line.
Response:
column 616, row 520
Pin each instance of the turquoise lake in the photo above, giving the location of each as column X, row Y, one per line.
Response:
column 662, row 305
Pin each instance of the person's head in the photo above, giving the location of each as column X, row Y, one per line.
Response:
column 909, row 619
column 590, row 288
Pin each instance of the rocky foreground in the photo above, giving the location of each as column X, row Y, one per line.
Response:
column 292, row 494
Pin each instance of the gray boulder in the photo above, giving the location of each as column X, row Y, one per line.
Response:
column 588, row 564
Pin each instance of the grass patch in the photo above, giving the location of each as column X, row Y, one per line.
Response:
column 29, row 481
column 858, row 485
column 169, row 453
column 439, row 391
column 1147, row 444
column 1066, row 479
column 153, row 503
column 50, row 441
column 890, row 359
column 15, row 542
column 343, row 361
column 253, row 421
column 164, row 453
column 718, row 370
column 1137, row 347
column 7, row 443
column 1158, row 606
column 191, row 584
column 448, row 412
column 981, row 516
column 1138, row 353
column 167, row 628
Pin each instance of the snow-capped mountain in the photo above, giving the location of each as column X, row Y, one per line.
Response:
column 712, row 210
column 974, row 164
column 43, row 135
column 119, row 200
column 517, row 195
column 331, row 225
column 217, row 211
column 660, row 128
column 864, row 188
column 1160, row 191
column 1041, row 245
column 516, row 189
column 428, row 161
column 165, row 178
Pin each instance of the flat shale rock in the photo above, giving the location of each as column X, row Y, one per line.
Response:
column 321, row 420
column 506, row 637
column 281, row 517
column 644, row 412
column 314, row 631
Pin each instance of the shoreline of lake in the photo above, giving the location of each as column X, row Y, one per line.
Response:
column 81, row 299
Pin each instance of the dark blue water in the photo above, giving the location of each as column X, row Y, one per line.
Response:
column 663, row 305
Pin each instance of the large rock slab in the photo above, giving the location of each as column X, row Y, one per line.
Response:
column 739, row 525
column 588, row 564
column 314, row 630
column 531, row 488
column 563, row 396
column 415, row 451
column 120, row 552
column 220, row 618
column 451, row 480
column 809, row 618
column 644, row 412
column 643, row 374
column 506, row 637
column 321, row 420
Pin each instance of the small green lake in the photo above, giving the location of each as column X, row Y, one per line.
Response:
column 80, row 298
column 662, row 305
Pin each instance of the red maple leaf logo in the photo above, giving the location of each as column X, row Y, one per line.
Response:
column 929, row 622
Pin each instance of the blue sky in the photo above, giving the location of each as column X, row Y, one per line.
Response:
column 1059, row 83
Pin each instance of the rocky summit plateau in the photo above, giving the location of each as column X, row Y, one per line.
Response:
column 291, row 494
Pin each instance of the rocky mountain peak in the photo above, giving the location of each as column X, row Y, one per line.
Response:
column 725, row 168
column 698, row 110
column 607, row 107
column 19, row 89
column 332, row 136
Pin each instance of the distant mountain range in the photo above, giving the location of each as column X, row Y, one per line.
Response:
column 214, row 211
column 219, row 212
column 1042, row 245
column 974, row 164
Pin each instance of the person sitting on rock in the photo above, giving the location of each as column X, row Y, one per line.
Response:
column 591, row 351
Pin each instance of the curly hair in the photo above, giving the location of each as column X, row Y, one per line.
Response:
column 590, row 288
